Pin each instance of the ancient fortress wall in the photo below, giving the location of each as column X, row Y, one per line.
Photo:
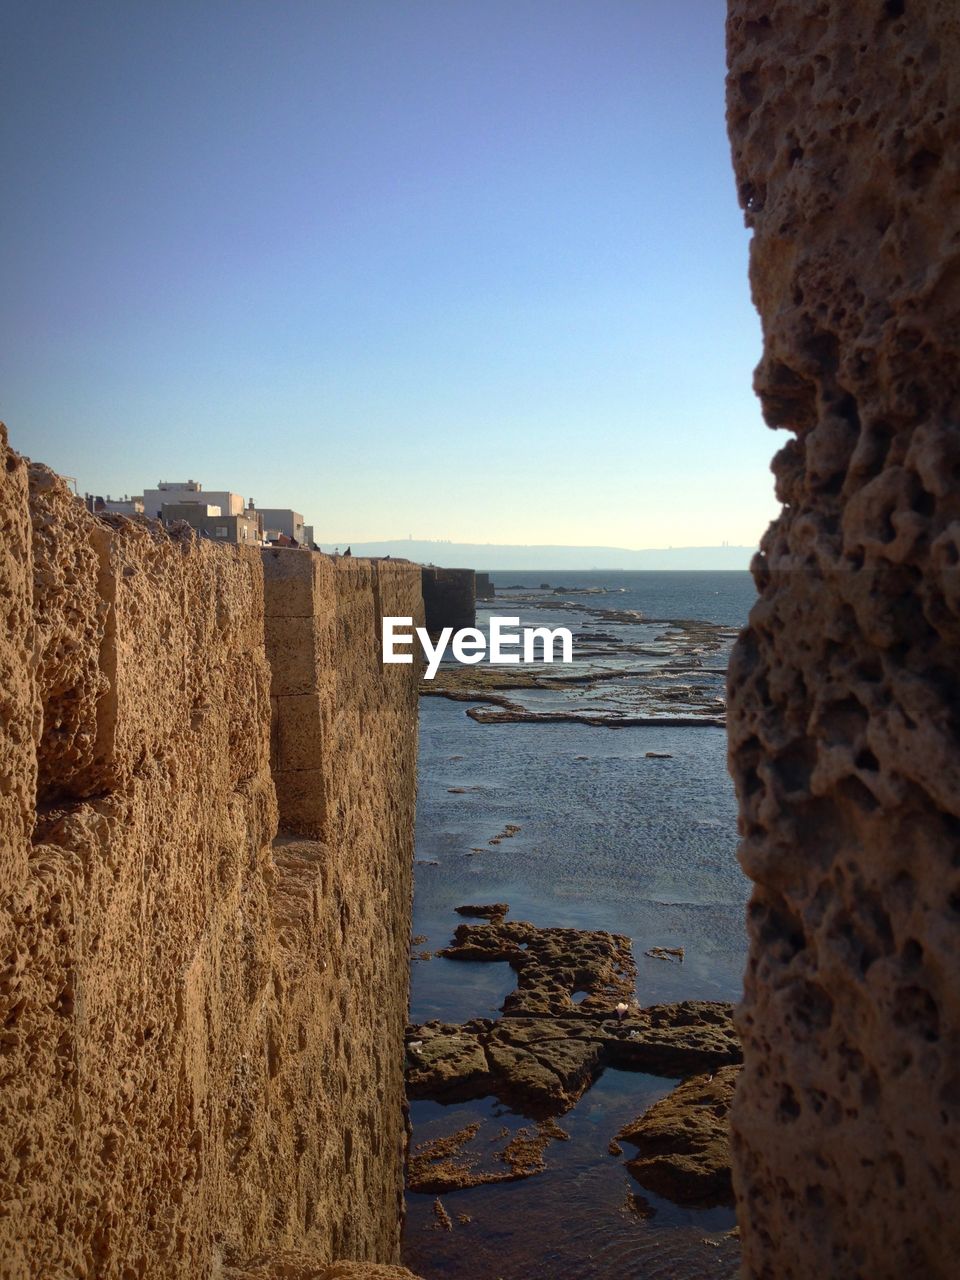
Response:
column 845, row 736
column 200, row 1030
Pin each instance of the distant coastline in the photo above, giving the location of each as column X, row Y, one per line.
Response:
column 490, row 556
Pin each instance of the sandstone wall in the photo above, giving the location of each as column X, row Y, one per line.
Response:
column 344, row 757
column 845, row 737
column 183, row 1083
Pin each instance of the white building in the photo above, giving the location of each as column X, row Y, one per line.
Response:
column 278, row 520
column 176, row 492
column 125, row 506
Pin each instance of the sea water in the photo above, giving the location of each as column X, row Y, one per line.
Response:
column 609, row 838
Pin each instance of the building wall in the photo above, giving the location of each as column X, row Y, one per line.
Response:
column 200, row 1051
column 843, row 691
column 245, row 528
column 229, row 503
column 284, row 520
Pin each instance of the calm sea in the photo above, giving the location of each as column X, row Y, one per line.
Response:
column 711, row 595
column 608, row 839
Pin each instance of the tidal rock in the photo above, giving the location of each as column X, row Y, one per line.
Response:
column 543, row 1065
column 548, row 1049
column 489, row 911
column 665, row 953
column 447, row 1062
column 552, row 965
column 683, row 1141
column 451, row 1163
column 676, row 1039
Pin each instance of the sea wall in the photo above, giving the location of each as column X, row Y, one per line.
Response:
column 344, row 748
column 201, row 1028
column 844, row 732
column 449, row 598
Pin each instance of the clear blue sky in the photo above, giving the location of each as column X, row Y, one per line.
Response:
column 468, row 269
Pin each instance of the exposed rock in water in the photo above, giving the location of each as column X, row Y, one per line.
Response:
column 489, row 911
column 684, row 1143
column 665, row 953
column 547, row 1050
column 508, row 832
column 625, row 695
column 552, row 964
column 450, row 1163
column 511, row 713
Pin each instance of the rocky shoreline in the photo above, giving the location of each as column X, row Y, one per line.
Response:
column 572, row 1014
column 629, row 671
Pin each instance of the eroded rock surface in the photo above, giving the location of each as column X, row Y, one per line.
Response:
column 678, row 683
column 543, row 1065
column 546, row 1050
column 483, row 910
column 202, row 1026
column 843, row 691
column 552, row 965
column 684, row 1141
column 292, row 1265
column 453, row 1163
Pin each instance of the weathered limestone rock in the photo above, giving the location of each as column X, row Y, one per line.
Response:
column 543, row 1065
column 452, row 1163
column 552, row 965
column 484, row 910
column 344, row 750
column 684, row 1142
column 844, row 121
column 201, row 1031
column 547, row 1049
column 290, row 1265
column 19, row 699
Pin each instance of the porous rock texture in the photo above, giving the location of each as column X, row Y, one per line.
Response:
column 548, row 1048
column 843, row 691
column 193, row 1067
column 290, row 1265
column 683, row 1140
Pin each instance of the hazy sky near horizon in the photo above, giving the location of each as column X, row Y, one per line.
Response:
column 466, row 269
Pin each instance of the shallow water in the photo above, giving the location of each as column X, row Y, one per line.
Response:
column 608, row 839
column 583, row 1217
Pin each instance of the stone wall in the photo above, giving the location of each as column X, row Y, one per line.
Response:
column 844, row 730
column 344, row 761
column 449, row 598
column 185, row 1080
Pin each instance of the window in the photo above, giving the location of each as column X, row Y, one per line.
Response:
column 221, row 531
